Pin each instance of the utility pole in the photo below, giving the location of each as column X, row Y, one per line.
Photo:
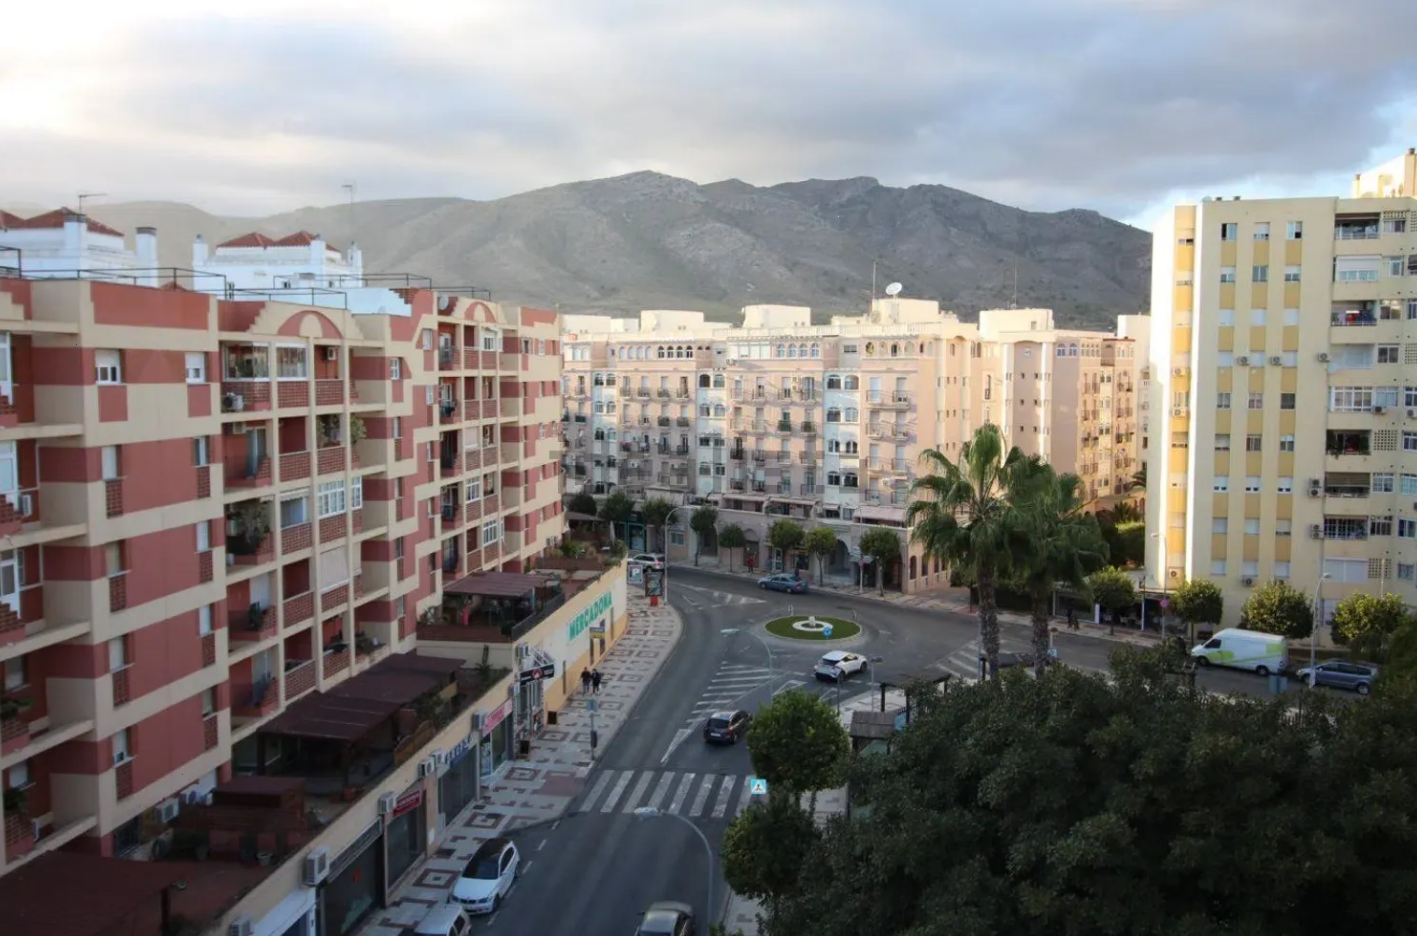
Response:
column 350, row 187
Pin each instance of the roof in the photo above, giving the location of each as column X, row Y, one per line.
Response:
column 253, row 784
column 835, row 655
column 874, row 725
column 53, row 219
column 257, row 239
column 583, row 517
column 881, row 514
column 356, row 706
column 496, row 584
column 120, row 897
column 492, row 846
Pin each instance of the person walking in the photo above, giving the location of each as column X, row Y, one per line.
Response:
column 1072, row 620
column 585, row 681
column 595, row 681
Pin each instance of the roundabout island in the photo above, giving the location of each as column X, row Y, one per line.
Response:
column 813, row 629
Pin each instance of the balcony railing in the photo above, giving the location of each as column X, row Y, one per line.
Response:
column 253, row 624
column 299, row 678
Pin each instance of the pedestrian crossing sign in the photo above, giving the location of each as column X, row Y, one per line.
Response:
column 757, row 786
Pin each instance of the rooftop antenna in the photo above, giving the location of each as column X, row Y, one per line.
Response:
column 84, row 196
column 1014, row 304
column 350, row 187
column 893, row 290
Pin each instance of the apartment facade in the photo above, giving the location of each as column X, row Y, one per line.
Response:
column 782, row 418
column 213, row 508
column 1262, row 310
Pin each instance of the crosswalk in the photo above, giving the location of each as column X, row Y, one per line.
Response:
column 692, row 795
column 727, row 688
column 963, row 664
column 717, row 599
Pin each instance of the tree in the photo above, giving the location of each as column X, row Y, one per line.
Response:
column 702, row 521
column 1114, row 590
column 785, row 536
column 961, row 513
column 1063, row 545
column 798, row 745
column 617, row 509
column 732, row 537
column 1367, row 624
column 583, row 503
column 1197, row 601
column 1070, row 805
column 820, row 542
column 656, row 512
column 1138, row 481
column 766, row 846
column 1278, row 608
column 882, row 544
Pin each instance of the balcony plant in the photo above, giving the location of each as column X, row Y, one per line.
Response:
column 15, row 802
column 358, row 432
column 254, row 525
column 14, row 706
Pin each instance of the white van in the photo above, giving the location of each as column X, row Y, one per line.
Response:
column 1244, row 649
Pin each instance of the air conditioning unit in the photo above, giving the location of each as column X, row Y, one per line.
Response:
column 1242, row 360
column 233, row 402
column 1178, row 372
column 241, row 926
column 1316, row 489
column 1178, row 411
column 479, row 722
column 1316, row 531
column 1412, row 414
column 1247, row 581
column 427, row 768
column 238, row 429
column 386, row 800
column 1175, row 573
column 1323, row 357
column 1276, row 360
column 1379, row 410
column 316, row 867
column 168, row 809
column 331, row 353
column 26, row 505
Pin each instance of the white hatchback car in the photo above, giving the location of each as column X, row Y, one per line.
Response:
column 838, row 665
column 489, row 875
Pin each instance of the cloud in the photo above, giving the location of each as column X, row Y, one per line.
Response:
column 1110, row 104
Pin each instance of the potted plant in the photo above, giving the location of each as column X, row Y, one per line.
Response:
column 357, row 430
column 363, row 643
column 254, row 521
column 15, row 802
column 13, row 706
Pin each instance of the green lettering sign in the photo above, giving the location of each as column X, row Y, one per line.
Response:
column 588, row 617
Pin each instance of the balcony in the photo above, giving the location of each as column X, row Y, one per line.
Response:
column 811, row 490
column 737, row 453
column 261, row 699
column 1341, row 484
column 1357, row 228
column 334, row 662
column 448, row 410
column 296, row 537
column 299, row 678
column 298, row 609
column 448, row 358
column 450, row 464
column 249, row 473
column 888, row 400
column 808, row 427
column 1339, row 443
column 252, row 624
column 294, row 466
column 784, row 425
column 807, row 458
column 331, row 459
column 1346, row 528
column 329, row 392
column 682, row 421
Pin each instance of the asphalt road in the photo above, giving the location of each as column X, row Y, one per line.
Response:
column 593, row 872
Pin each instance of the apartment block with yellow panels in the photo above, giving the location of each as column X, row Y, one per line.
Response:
column 215, row 507
column 1284, row 392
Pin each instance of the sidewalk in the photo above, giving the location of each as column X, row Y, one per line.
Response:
column 540, row 789
column 953, row 600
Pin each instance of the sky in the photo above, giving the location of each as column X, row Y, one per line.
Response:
column 1122, row 106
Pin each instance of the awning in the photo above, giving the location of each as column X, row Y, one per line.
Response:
column 358, row 705
column 496, row 584
column 879, row 514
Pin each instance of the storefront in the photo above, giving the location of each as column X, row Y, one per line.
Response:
column 355, row 887
column 458, row 785
column 406, row 835
column 496, row 741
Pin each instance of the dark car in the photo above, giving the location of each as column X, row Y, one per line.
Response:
column 727, row 727
column 784, row 582
column 667, row 918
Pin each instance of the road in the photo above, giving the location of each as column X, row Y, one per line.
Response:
column 593, row 872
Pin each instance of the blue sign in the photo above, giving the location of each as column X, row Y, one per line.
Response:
column 826, row 631
column 757, row 786
column 460, row 750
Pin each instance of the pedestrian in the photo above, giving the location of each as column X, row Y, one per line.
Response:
column 595, row 680
column 585, row 680
column 1072, row 620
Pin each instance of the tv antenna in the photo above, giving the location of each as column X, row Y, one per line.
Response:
column 350, row 187
column 1014, row 304
column 893, row 290
column 84, row 196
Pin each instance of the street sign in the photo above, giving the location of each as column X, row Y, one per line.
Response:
column 757, row 786
column 597, row 631
column 827, row 631
column 592, row 704
column 1165, row 603
column 654, row 582
column 536, row 673
column 865, row 560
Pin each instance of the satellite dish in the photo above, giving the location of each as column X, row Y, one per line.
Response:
column 893, row 290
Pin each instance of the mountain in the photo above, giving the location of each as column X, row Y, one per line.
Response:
column 647, row 240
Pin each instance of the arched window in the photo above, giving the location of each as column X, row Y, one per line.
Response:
column 1062, row 350
column 704, row 380
column 833, row 381
column 870, row 347
column 792, row 351
column 781, row 351
column 895, row 350
column 851, row 414
column 1072, row 350
column 816, row 350
column 720, row 410
column 661, row 351
column 704, row 410
column 912, row 568
column 834, row 414
column 851, row 383
column 718, row 381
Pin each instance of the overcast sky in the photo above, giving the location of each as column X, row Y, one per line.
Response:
column 1124, row 106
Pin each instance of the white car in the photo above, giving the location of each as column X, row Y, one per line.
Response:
column 838, row 665
column 489, row 875
column 649, row 559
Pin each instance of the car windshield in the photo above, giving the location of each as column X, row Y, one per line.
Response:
column 718, row 723
column 485, row 869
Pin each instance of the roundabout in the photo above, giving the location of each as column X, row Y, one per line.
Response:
column 813, row 628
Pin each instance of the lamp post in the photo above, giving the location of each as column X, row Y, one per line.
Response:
column 1314, row 634
column 651, row 812
column 667, row 521
column 871, row 665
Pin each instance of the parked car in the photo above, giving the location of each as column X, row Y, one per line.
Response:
column 727, row 727
column 1342, row 675
column 649, row 559
column 667, row 918
column 447, row 920
column 489, row 875
column 1244, row 649
column 838, row 665
column 784, row 582
column 1007, row 660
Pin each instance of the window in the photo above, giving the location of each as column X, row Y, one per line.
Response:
column 1285, row 486
column 1222, row 400
column 1252, row 484
column 1217, row 567
column 1393, row 266
column 204, row 536
column 196, row 367
column 1382, row 482
column 1256, row 400
column 1222, row 442
column 121, row 743
column 1406, row 529
column 1291, row 316
column 491, row 340
column 1257, row 317
column 1283, row 527
column 1281, row 569
column 1380, row 526
column 1250, row 568
column 1294, row 230
column 1220, row 525
column 1389, row 354
column 396, row 368
column 15, row 677
column 1227, row 274
column 1225, row 317
column 1286, row 443
column 1289, row 358
column 1225, row 359
column 293, row 512
column 117, row 654
column 491, row 532
column 201, row 455
column 1252, row 526
column 1406, row 571
column 1259, row 273
column 356, row 494
column 474, row 490
column 1409, row 441
column 109, row 366
column 1286, row 401
column 1253, row 442
column 330, row 498
column 1221, row 484
column 1229, row 231
column 109, row 459
column 1409, row 485
column 333, row 568
column 1350, row 399
column 204, row 620
column 290, row 363
column 1262, row 231
column 1292, row 274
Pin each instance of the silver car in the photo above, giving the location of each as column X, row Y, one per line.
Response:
column 1339, row 674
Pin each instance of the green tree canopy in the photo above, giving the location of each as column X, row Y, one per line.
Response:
column 656, row 512
column 820, row 542
column 730, row 538
column 584, row 503
column 703, row 522
column 882, row 544
column 617, row 509
column 1113, row 589
column 766, row 846
column 786, row 535
column 1128, row 545
column 1068, row 805
column 1367, row 623
column 1278, row 608
column 1197, row 601
column 798, row 744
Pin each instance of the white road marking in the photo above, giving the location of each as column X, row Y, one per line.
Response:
column 745, row 799
column 661, row 789
column 540, row 845
column 589, row 802
column 681, row 794
column 789, row 685
column 725, row 793
column 679, row 737
column 634, row 798
column 702, row 796
column 619, row 788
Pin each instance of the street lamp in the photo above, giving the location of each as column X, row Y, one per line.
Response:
column 871, row 669
column 651, row 812
column 1314, row 634
column 667, row 521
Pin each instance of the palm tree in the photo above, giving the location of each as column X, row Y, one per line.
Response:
column 1064, row 544
column 1138, row 482
column 961, row 513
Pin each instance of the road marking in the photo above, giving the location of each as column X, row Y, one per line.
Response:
column 745, row 799
column 702, row 796
column 679, row 737
column 729, row 630
column 660, row 790
column 615, row 792
column 588, row 803
column 725, row 793
column 789, row 686
column 634, row 798
column 526, row 868
column 540, row 845
column 681, row 794
column 738, row 667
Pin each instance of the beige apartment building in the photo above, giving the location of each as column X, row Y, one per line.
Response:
column 1264, row 310
column 779, row 417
